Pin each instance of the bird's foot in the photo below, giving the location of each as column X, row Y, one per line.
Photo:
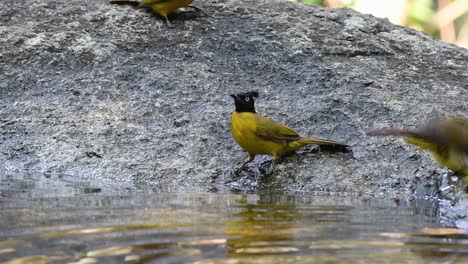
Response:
column 238, row 171
column 269, row 170
column 168, row 23
column 242, row 168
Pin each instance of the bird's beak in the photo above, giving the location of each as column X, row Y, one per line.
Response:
column 234, row 96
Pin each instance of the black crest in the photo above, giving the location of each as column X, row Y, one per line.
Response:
column 245, row 101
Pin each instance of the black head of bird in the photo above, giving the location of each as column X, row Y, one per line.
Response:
column 245, row 102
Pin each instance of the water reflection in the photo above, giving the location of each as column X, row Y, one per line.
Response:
column 262, row 228
column 219, row 228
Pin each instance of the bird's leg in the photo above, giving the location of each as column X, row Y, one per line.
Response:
column 168, row 23
column 275, row 160
column 272, row 166
column 251, row 158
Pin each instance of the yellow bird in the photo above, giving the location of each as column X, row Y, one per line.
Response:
column 260, row 135
column 161, row 7
column 446, row 140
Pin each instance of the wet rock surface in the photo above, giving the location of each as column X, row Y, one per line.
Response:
column 107, row 92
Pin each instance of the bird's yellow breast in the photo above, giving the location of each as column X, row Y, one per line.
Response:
column 243, row 127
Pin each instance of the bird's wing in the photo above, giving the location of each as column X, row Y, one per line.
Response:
column 272, row 130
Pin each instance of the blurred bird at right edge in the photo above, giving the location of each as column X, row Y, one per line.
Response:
column 446, row 140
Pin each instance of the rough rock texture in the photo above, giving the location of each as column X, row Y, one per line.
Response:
column 90, row 89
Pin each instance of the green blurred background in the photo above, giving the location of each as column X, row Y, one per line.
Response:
column 443, row 19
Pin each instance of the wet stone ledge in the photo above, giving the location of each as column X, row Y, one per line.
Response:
column 111, row 93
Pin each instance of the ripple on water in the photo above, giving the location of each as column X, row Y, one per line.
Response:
column 224, row 228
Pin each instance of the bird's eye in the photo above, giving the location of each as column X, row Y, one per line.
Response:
column 247, row 99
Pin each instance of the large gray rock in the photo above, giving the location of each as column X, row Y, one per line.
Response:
column 110, row 92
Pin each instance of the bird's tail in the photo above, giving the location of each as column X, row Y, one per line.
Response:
column 134, row 3
column 318, row 141
column 326, row 144
column 390, row 132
